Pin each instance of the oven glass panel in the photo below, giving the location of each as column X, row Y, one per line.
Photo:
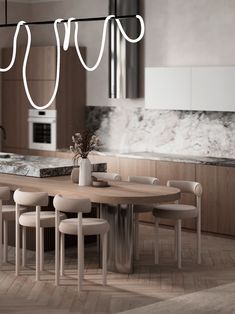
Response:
column 42, row 133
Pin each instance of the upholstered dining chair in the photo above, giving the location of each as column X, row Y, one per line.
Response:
column 7, row 213
column 178, row 212
column 140, row 208
column 34, row 219
column 81, row 227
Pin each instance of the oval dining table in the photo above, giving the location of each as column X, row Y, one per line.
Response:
column 121, row 234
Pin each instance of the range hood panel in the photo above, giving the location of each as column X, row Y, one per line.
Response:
column 123, row 56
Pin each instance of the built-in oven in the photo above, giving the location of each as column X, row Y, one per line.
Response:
column 42, row 129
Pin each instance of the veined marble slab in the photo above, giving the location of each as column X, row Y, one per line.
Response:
column 214, row 161
column 38, row 166
column 130, row 129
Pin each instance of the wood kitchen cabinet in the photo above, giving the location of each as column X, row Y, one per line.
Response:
column 14, row 115
column 41, row 74
column 136, row 167
column 41, row 63
column 218, row 199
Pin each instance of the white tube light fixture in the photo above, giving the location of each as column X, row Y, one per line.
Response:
column 65, row 47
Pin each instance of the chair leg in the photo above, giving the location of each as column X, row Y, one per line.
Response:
column 175, row 244
column 24, row 246
column 57, row 251
column 179, row 243
column 98, row 213
column 156, row 241
column 1, row 246
column 199, row 240
column 17, row 241
column 37, row 243
column 5, row 241
column 62, row 254
column 80, row 261
column 104, row 257
column 41, row 249
column 136, row 234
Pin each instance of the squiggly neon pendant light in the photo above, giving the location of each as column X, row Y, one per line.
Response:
column 65, row 47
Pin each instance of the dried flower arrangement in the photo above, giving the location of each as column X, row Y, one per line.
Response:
column 83, row 144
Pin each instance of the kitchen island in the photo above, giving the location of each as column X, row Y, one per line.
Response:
column 40, row 166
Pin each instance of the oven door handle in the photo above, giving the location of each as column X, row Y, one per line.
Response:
column 33, row 120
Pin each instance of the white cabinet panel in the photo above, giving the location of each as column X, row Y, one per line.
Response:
column 168, row 88
column 213, row 88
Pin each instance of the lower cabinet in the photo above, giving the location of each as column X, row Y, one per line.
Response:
column 218, row 200
column 218, row 183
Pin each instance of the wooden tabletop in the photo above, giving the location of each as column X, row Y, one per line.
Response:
column 116, row 193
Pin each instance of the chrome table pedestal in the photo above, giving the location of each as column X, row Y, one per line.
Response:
column 120, row 237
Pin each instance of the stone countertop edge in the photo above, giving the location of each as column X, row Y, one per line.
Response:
column 201, row 160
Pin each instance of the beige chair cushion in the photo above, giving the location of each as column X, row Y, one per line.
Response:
column 9, row 213
column 90, row 226
column 47, row 219
column 175, row 211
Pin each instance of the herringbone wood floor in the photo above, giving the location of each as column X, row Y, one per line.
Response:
column 147, row 285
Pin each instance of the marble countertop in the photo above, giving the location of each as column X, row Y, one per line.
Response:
column 38, row 166
column 226, row 162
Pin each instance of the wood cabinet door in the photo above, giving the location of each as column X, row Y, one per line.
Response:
column 41, row 63
column 138, row 167
column 218, row 198
column 15, row 106
column 178, row 171
column 41, row 92
column 15, row 115
column 71, row 97
column 15, row 73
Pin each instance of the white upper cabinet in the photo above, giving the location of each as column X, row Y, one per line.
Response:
column 168, row 88
column 190, row 88
column 213, row 88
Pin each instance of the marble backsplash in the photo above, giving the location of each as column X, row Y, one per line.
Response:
column 129, row 129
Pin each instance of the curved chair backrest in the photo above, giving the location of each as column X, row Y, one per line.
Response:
column 4, row 193
column 71, row 205
column 30, row 198
column 144, row 180
column 186, row 186
column 109, row 176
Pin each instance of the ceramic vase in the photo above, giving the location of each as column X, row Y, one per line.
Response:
column 84, row 172
column 75, row 175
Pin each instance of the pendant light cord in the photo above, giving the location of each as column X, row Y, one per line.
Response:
column 6, row 12
column 65, row 47
column 57, row 67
